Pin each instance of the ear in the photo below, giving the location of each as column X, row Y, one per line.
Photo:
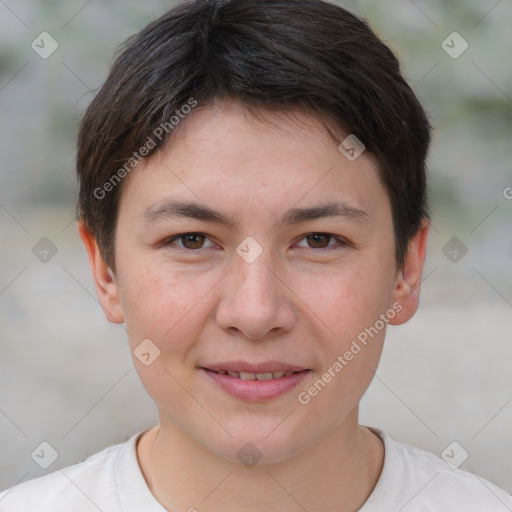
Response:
column 104, row 279
column 408, row 281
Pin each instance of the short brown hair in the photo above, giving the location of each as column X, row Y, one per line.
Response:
column 266, row 54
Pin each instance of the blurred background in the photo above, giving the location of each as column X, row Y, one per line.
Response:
column 66, row 374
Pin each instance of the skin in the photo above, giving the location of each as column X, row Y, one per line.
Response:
column 298, row 302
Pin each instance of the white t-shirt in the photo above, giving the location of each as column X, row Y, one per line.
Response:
column 412, row 480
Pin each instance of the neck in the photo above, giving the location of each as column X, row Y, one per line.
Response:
column 338, row 472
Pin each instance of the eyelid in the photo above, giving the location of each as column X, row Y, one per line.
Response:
column 341, row 241
column 169, row 241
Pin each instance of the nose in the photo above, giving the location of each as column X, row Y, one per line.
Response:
column 256, row 300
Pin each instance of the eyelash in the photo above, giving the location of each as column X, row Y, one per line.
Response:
column 341, row 241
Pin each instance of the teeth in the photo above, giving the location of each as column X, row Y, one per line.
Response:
column 247, row 376
column 264, row 376
column 255, row 376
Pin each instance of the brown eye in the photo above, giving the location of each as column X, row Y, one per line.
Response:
column 319, row 240
column 191, row 241
column 322, row 241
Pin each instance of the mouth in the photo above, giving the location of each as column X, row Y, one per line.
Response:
column 254, row 376
column 255, row 383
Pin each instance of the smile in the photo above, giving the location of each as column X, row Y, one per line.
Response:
column 254, row 376
column 255, row 386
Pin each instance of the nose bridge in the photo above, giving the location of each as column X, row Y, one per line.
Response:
column 253, row 269
column 254, row 301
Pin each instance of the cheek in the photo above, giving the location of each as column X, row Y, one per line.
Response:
column 350, row 305
column 166, row 308
column 359, row 330
column 345, row 301
column 162, row 306
column 352, row 345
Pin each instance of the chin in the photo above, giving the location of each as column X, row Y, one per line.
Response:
column 261, row 444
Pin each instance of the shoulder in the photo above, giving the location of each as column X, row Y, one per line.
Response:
column 451, row 486
column 86, row 486
column 417, row 480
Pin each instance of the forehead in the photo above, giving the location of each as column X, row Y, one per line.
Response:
column 223, row 153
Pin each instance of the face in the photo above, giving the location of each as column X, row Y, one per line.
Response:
column 267, row 280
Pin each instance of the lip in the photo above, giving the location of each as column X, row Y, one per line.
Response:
column 256, row 390
column 263, row 367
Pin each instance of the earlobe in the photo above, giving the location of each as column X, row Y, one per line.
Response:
column 408, row 281
column 104, row 279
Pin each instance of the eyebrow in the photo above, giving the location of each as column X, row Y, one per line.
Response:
column 184, row 209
